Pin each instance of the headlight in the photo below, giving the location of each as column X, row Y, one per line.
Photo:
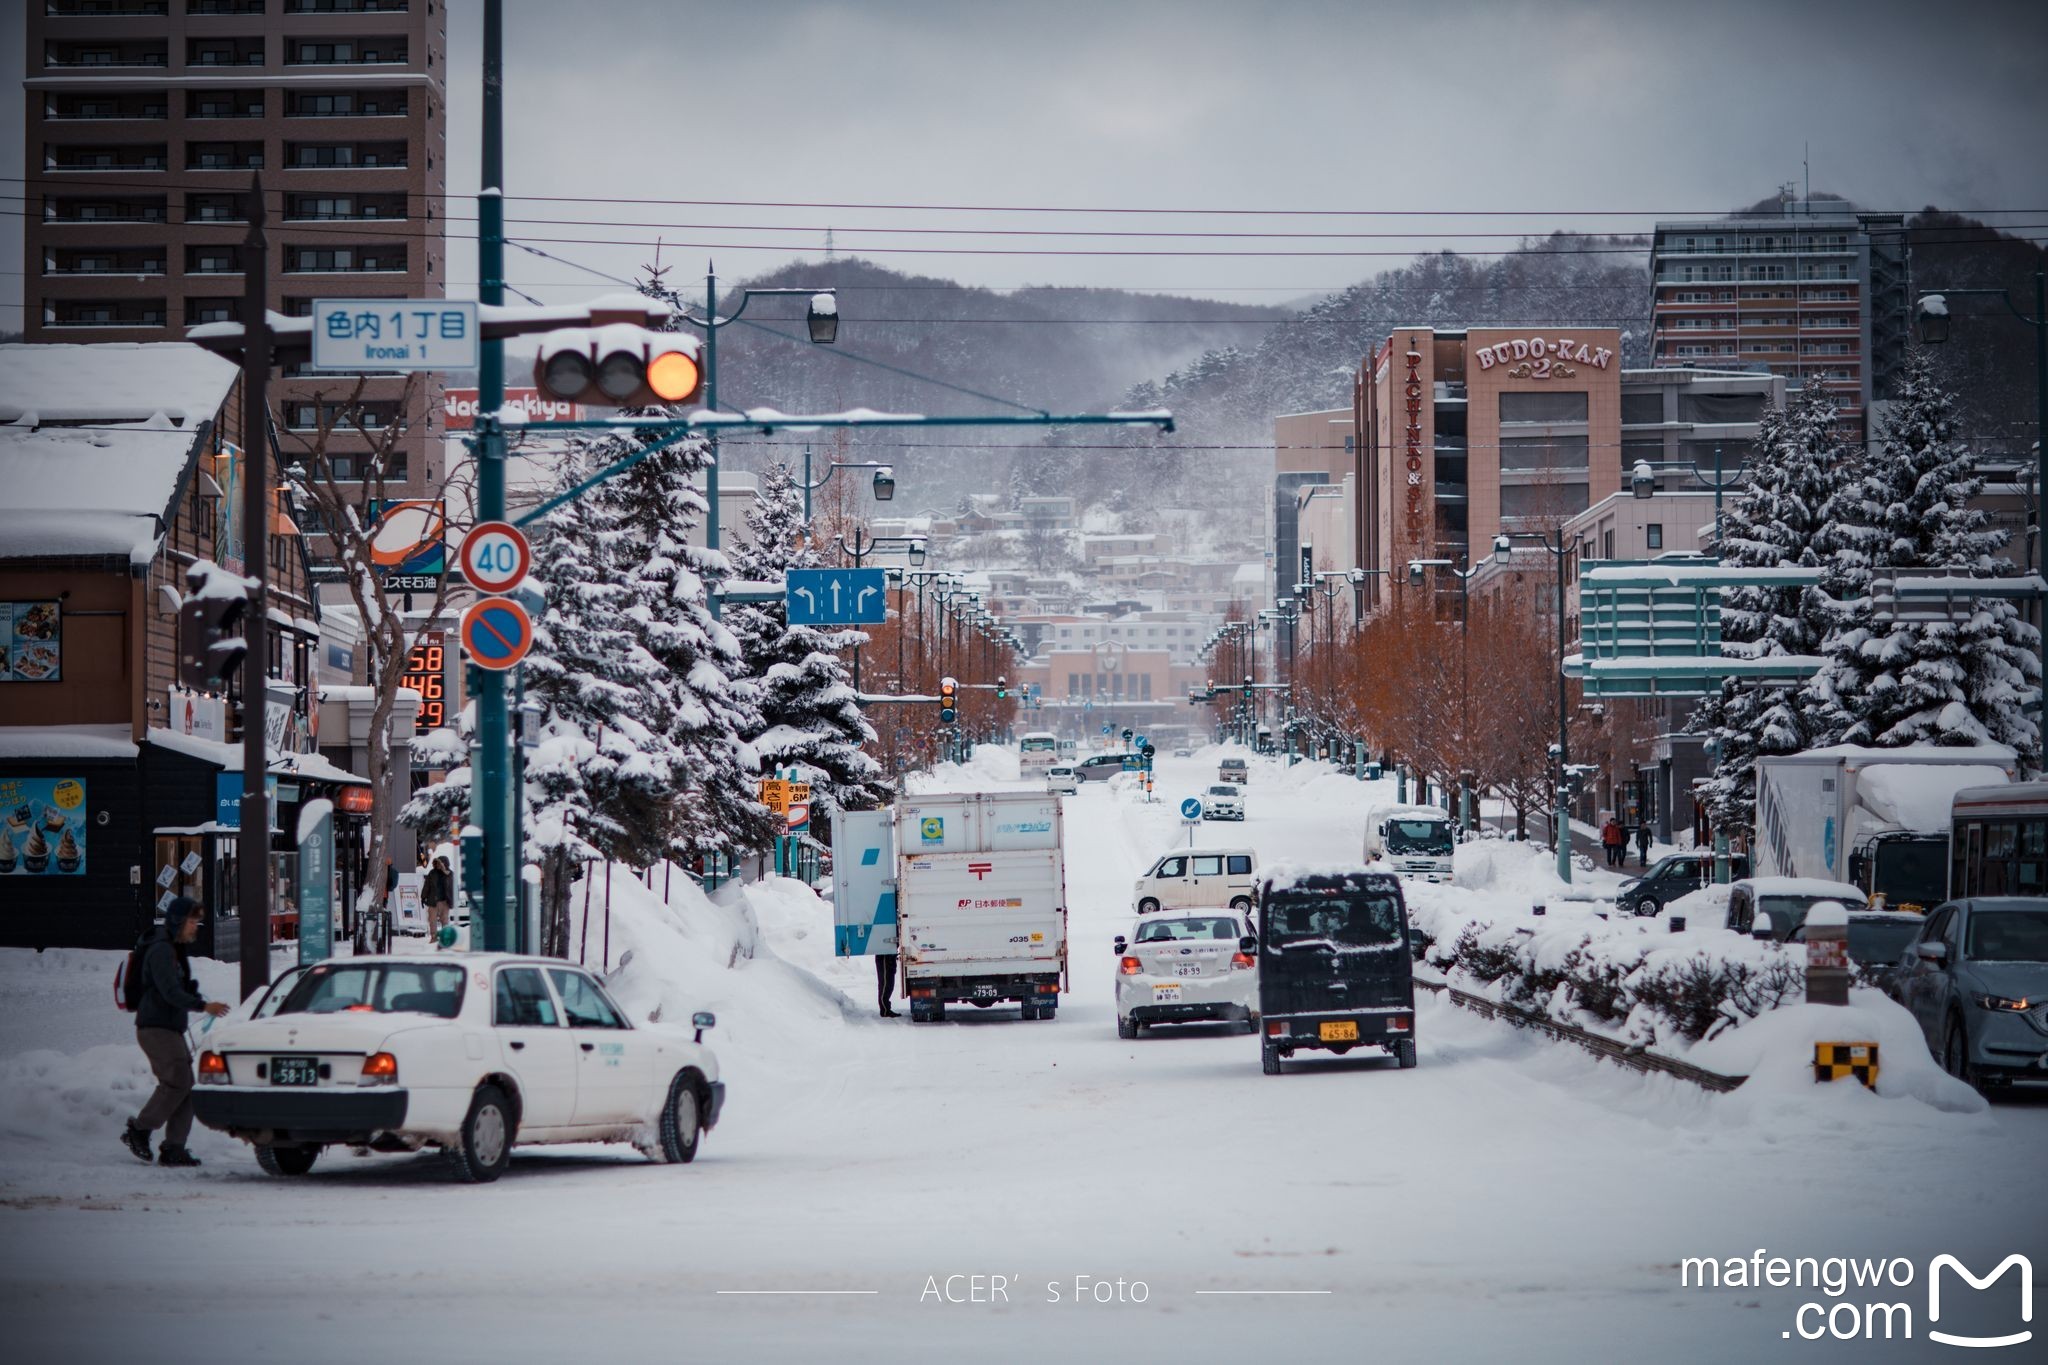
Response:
column 1999, row 1002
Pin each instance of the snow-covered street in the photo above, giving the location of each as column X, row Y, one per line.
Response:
column 1510, row 1196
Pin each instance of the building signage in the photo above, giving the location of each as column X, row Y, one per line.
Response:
column 1536, row 358
column 395, row 334
column 426, row 670
column 458, row 407
column 316, row 882
column 1411, row 399
column 409, row 542
column 31, row 641
column 42, row 826
column 197, row 714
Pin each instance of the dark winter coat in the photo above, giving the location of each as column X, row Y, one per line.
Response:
column 437, row 890
column 169, row 991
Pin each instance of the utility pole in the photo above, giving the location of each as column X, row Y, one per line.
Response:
column 254, row 841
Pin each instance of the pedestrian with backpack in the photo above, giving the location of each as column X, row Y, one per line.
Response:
column 160, row 985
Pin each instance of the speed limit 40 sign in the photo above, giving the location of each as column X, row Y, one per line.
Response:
column 495, row 556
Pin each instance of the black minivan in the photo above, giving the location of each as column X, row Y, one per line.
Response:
column 1334, row 966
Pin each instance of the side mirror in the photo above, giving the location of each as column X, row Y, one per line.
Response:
column 701, row 1020
column 1120, row 945
column 1248, row 944
column 1933, row 952
column 1762, row 928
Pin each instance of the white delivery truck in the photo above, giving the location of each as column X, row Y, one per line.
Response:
column 981, row 901
column 1037, row 753
column 1878, row 818
column 1414, row 841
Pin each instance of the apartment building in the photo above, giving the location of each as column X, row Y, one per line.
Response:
column 146, row 124
column 1818, row 293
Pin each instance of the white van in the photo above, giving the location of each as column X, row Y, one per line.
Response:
column 1192, row 878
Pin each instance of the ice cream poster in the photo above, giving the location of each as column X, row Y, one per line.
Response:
column 31, row 641
column 42, row 826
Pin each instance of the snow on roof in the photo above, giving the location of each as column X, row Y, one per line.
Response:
column 316, row 768
column 100, row 487
column 1803, row 886
column 1997, row 755
column 1917, row 796
column 66, row 741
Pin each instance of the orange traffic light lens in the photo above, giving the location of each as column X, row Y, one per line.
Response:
column 672, row 376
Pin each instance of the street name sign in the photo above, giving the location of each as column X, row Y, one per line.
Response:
column 395, row 334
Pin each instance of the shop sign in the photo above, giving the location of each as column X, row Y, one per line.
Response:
column 227, row 800
column 1536, row 358
column 42, row 826
column 458, row 407
column 198, row 714
column 1411, row 400
column 31, row 641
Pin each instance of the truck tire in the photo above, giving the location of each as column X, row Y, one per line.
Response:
column 1404, row 1053
column 286, row 1160
column 1126, row 1028
column 1269, row 1057
column 484, row 1148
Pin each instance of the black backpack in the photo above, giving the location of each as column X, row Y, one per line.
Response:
column 129, row 976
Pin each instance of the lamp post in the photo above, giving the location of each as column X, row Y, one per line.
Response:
column 884, row 485
column 1931, row 318
column 1642, row 482
column 1560, row 820
column 1458, row 569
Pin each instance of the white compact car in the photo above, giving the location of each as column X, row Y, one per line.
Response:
column 468, row 1052
column 1062, row 779
column 1223, row 801
column 1187, row 967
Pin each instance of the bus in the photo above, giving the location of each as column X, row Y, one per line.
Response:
column 1037, row 751
column 1998, row 841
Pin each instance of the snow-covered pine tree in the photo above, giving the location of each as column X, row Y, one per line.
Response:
column 707, row 702
column 1772, row 521
column 809, row 718
column 1920, row 677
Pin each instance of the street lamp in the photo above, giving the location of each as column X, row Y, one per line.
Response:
column 822, row 318
column 885, row 478
column 1560, row 820
column 1642, row 481
column 1464, row 576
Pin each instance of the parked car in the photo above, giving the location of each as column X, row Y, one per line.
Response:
column 1099, row 767
column 1671, row 877
column 1878, row 939
column 1223, row 801
column 1187, row 968
column 1976, row 981
column 1062, row 779
column 1334, row 967
column 468, row 1052
column 1786, row 900
column 1198, row 878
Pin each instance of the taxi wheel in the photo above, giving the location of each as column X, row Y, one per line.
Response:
column 286, row 1160
column 484, row 1148
column 1126, row 1028
column 682, row 1122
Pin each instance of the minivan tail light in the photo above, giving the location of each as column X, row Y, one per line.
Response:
column 380, row 1068
column 1130, row 966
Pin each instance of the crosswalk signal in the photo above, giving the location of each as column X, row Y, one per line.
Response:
column 208, row 654
column 949, row 701
column 619, row 365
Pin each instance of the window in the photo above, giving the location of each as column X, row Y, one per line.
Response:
column 1528, row 500
column 1171, row 867
column 1719, row 407
column 1542, row 452
column 1653, row 535
column 583, row 1002
column 1240, row 864
column 1208, row 864
column 378, row 988
column 1607, row 543
column 1542, row 407
column 521, row 1000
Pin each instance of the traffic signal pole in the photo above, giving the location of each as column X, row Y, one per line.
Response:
column 253, row 843
column 493, row 802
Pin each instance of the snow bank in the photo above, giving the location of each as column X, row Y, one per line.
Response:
column 1775, row 1051
column 988, row 764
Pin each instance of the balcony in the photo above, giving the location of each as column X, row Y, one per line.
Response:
column 213, row 260
column 223, row 6
column 382, row 51
column 380, row 259
column 345, row 208
column 107, row 9
column 148, row 157
column 341, row 156
column 137, row 262
column 346, row 6
column 345, row 104
column 216, row 208
column 217, row 104
column 219, row 309
column 108, row 210
column 61, row 108
column 104, row 313
column 223, row 156
column 205, row 52
column 105, row 56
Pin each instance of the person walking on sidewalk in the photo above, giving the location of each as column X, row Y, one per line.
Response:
column 1643, row 843
column 439, row 894
column 1614, row 840
column 169, row 993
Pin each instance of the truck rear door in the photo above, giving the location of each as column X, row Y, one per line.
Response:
column 966, row 914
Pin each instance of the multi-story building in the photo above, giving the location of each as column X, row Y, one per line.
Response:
column 146, row 123
column 1311, row 451
column 1816, row 292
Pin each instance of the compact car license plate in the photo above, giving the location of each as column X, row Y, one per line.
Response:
column 1343, row 1032
column 294, row 1071
column 1166, row 995
column 1188, row 969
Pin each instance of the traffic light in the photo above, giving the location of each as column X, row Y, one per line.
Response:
column 1002, row 687
column 618, row 365
column 949, row 701
column 208, row 654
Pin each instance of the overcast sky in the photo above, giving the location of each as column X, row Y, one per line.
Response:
column 1544, row 109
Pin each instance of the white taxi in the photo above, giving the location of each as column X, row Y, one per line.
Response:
column 1187, row 966
column 1062, row 779
column 467, row 1052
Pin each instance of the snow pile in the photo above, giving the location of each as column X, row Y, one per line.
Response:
column 1776, row 1053
column 987, row 767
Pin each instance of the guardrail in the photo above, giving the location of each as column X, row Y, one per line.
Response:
column 1633, row 1056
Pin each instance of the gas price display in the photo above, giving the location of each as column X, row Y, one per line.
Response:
column 426, row 673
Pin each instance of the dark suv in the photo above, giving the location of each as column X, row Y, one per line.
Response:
column 1668, row 878
column 1334, row 969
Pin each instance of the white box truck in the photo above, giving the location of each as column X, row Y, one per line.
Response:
column 981, row 902
column 1878, row 818
column 1415, row 841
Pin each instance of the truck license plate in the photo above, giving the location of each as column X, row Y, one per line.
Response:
column 1166, row 995
column 1188, row 969
column 294, row 1071
column 1344, row 1032
column 984, row 992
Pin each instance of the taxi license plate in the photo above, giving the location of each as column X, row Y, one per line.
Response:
column 294, row 1071
column 1166, row 995
column 1188, row 969
column 1344, row 1032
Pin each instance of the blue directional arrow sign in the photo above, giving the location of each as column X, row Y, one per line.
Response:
column 836, row 597
column 1191, row 808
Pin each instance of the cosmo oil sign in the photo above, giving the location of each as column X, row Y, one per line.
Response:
column 458, row 407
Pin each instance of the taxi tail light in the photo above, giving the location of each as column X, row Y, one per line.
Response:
column 1241, row 961
column 380, row 1068
column 213, row 1068
column 1130, row 966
